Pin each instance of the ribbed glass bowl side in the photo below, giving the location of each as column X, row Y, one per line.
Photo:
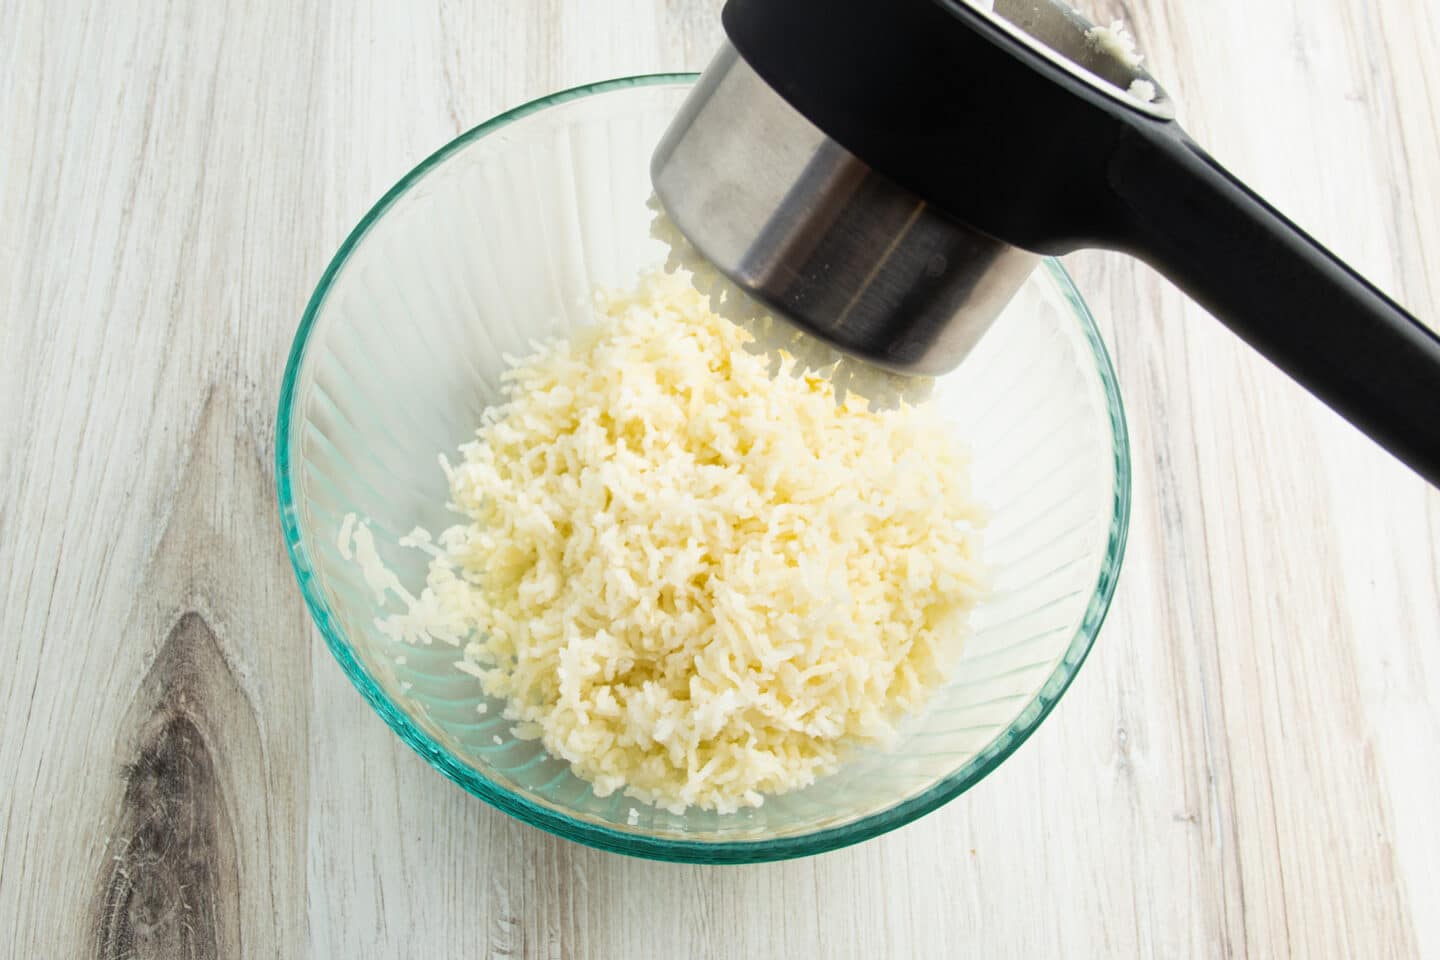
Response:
column 497, row 240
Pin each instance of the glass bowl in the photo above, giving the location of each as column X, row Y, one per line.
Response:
column 497, row 240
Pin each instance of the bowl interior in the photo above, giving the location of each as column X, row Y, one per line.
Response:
column 498, row 241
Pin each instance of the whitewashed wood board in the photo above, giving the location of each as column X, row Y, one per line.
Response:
column 1247, row 765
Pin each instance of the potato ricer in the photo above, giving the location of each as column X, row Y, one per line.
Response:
column 885, row 174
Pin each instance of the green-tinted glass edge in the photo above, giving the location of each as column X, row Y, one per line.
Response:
column 618, row 841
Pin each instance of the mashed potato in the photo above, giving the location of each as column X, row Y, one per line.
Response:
column 692, row 580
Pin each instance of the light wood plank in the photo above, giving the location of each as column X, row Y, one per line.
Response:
column 1247, row 765
column 155, row 698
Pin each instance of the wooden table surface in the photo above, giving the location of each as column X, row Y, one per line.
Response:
column 1249, row 763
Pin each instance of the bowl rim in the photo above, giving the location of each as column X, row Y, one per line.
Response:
column 634, row 843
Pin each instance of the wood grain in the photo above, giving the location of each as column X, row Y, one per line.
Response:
column 1247, row 765
column 171, row 887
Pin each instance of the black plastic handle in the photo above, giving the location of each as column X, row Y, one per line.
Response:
column 1279, row 290
column 949, row 104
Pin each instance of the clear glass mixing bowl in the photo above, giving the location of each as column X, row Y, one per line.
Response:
column 497, row 240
